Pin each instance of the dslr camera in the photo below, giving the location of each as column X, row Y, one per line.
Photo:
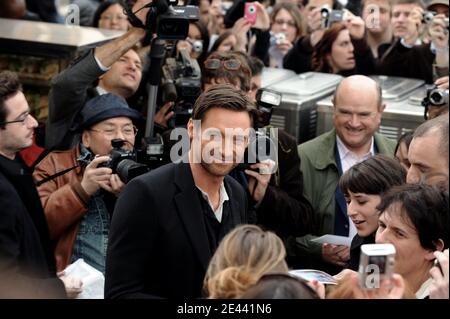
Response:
column 330, row 16
column 376, row 263
column 122, row 162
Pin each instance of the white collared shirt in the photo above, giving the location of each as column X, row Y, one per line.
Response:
column 223, row 196
column 348, row 159
column 100, row 90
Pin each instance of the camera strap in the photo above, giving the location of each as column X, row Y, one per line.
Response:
column 52, row 177
column 134, row 21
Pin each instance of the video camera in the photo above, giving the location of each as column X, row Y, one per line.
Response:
column 435, row 97
column 123, row 162
column 166, row 19
column 330, row 16
column 181, row 83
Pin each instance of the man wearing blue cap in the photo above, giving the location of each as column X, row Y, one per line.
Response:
column 78, row 202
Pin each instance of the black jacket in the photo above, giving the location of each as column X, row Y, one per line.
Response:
column 27, row 262
column 355, row 250
column 158, row 245
column 398, row 60
column 284, row 209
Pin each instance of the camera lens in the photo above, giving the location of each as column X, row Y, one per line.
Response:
column 436, row 97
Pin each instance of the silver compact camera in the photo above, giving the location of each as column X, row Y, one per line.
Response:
column 330, row 16
column 277, row 38
column 197, row 46
column 376, row 263
column 428, row 17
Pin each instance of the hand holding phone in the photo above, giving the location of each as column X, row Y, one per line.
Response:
column 250, row 12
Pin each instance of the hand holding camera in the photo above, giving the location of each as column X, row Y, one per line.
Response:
column 391, row 288
column 438, row 29
column 439, row 288
column 355, row 25
column 240, row 30
column 260, row 181
column 95, row 177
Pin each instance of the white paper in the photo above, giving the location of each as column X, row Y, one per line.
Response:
column 93, row 280
column 313, row 274
column 333, row 240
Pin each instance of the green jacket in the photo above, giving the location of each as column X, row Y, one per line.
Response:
column 320, row 179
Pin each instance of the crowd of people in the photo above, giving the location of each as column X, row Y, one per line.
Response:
column 203, row 226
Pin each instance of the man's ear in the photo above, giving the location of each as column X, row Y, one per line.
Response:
column 382, row 107
column 86, row 139
column 190, row 128
column 439, row 247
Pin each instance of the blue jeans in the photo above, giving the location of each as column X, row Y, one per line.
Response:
column 92, row 238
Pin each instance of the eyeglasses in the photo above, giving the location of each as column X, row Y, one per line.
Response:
column 289, row 23
column 22, row 119
column 128, row 131
column 231, row 64
column 349, row 115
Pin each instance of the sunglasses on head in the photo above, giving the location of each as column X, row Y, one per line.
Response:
column 231, row 64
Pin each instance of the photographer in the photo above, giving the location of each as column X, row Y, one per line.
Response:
column 408, row 55
column 78, row 203
column 327, row 46
column 114, row 67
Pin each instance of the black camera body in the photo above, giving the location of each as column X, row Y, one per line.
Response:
column 330, row 16
column 122, row 162
column 174, row 23
column 266, row 100
column 181, row 83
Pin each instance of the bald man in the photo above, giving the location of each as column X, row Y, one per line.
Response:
column 357, row 115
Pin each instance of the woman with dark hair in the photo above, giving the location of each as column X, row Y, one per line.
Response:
column 110, row 15
column 197, row 42
column 414, row 218
column 335, row 52
column 363, row 185
column 341, row 49
column 401, row 150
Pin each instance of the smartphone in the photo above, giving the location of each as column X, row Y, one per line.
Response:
column 376, row 263
column 250, row 12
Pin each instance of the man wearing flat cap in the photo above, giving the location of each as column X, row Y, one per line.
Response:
column 77, row 194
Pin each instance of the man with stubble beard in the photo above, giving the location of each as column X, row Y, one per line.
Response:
column 168, row 223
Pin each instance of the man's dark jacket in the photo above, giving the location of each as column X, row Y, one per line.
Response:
column 158, row 242
column 27, row 262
